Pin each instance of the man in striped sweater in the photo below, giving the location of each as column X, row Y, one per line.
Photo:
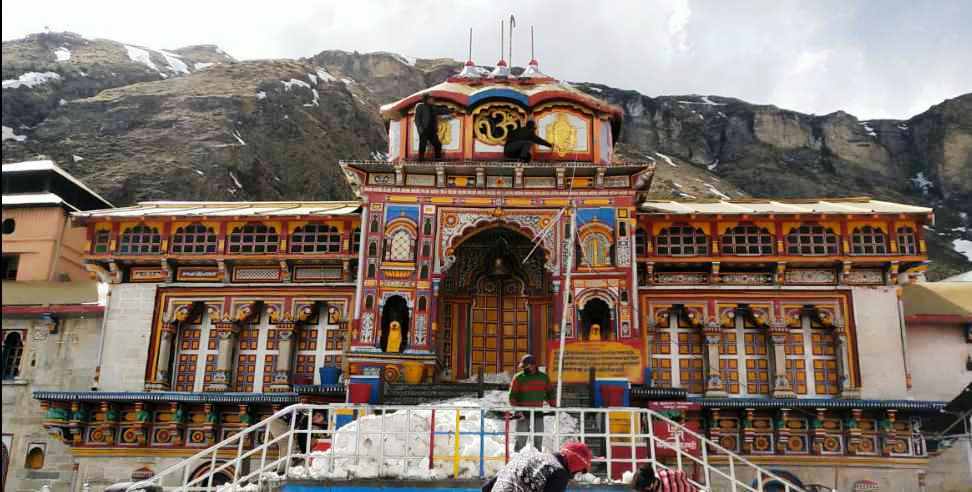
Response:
column 530, row 388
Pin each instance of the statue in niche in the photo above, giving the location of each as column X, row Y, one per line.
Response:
column 394, row 337
column 595, row 335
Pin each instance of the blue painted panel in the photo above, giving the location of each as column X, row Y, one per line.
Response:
column 499, row 93
column 393, row 212
column 604, row 215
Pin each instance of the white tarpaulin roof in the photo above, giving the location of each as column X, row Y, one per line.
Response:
column 224, row 209
column 802, row 206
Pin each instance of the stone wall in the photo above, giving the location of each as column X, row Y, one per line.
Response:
column 64, row 360
column 938, row 354
column 879, row 343
column 101, row 471
column 128, row 330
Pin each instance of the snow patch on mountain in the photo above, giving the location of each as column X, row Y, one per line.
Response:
column 62, row 54
column 139, row 55
column 31, row 79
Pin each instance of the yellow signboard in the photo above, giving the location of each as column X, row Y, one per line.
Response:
column 610, row 359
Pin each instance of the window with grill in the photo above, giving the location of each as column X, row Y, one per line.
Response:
column 401, row 246
column 907, row 241
column 13, row 350
column 254, row 238
column 140, row 240
column 869, row 240
column 596, row 250
column 102, row 240
column 356, row 240
column 747, row 239
column 641, row 242
column 682, row 240
column 811, row 240
column 315, row 238
column 194, row 239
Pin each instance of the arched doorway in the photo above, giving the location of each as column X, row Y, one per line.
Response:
column 496, row 303
column 394, row 313
column 596, row 323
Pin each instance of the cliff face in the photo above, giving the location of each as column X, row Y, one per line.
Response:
column 194, row 124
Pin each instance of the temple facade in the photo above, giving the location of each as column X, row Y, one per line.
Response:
column 781, row 320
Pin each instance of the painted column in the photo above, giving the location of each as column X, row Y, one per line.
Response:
column 227, row 332
column 713, row 341
column 781, row 383
column 847, row 390
column 286, row 333
column 162, row 365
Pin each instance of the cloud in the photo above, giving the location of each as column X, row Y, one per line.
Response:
column 890, row 58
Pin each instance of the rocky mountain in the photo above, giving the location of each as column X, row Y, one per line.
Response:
column 193, row 123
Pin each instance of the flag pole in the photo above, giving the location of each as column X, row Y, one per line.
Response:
column 567, row 305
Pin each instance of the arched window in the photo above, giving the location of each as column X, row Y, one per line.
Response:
column 426, row 249
column 373, row 250
column 811, row 240
column 682, row 240
column 424, row 272
column 422, row 304
column 194, row 239
column 907, row 241
column 869, row 240
column 140, row 240
column 254, row 238
column 401, row 246
column 597, row 250
column 315, row 238
column 9, row 225
column 102, row 240
column 427, row 228
column 356, row 240
column 371, row 270
column 13, row 350
column 35, row 458
column 369, row 302
column 641, row 242
column 375, row 222
column 747, row 239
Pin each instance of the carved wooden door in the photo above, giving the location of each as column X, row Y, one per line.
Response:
column 500, row 327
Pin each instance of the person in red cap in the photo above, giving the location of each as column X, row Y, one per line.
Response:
column 531, row 388
column 542, row 472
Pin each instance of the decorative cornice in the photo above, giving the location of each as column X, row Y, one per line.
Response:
column 166, row 396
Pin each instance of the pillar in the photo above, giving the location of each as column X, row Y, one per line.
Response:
column 227, row 332
column 713, row 340
column 286, row 334
column 163, row 365
column 847, row 389
column 782, row 387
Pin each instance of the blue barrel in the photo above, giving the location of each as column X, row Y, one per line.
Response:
column 330, row 375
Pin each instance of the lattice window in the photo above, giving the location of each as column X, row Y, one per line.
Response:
column 869, row 240
column 641, row 242
column 812, row 240
column 691, row 375
column 246, row 358
column 254, row 238
column 315, row 238
column 682, row 240
column 596, row 250
column 13, row 351
column 140, row 239
column 195, row 360
column 306, row 362
column 747, row 239
column 824, row 354
column 677, row 357
column 401, row 246
column 757, row 362
column 356, row 240
column 194, row 239
column 729, row 361
column 907, row 241
column 796, row 364
column 102, row 241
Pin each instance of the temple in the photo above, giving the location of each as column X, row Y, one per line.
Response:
column 779, row 320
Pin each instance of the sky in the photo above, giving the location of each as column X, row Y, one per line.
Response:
column 873, row 59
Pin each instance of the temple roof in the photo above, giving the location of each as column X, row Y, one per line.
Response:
column 862, row 205
column 224, row 209
column 527, row 91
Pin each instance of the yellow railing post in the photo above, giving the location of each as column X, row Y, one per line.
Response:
column 455, row 454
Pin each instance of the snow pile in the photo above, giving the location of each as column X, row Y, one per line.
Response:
column 175, row 62
column 62, row 54
column 963, row 246
column 236, row 181
column 713, row 165
column 77, row 158
column 325, row 76
column 921, row 182
column 203, row 65
column 8, row 134
column 867, row 128
column 404, row 451
column 139, row 55
column 289, row 84
column 239, row 138
column 667, row 159
column 261, row 95
column 714, row 191
column 348, row 81
column 31, row 79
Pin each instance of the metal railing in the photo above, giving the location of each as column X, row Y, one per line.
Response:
column 451, row 442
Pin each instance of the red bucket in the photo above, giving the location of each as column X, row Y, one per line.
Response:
column 359, row 393
column 613, row 396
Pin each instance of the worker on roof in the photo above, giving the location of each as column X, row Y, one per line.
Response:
column 542, row 472
column 519, row 143
column 427, row 126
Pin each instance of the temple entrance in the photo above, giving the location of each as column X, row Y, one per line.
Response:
column 596, row 321
column 496, row 307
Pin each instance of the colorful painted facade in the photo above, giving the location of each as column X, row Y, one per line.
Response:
column 780, row 318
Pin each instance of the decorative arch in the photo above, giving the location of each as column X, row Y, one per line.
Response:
column 221, row 477
column 400, row 238
column 459, row 228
